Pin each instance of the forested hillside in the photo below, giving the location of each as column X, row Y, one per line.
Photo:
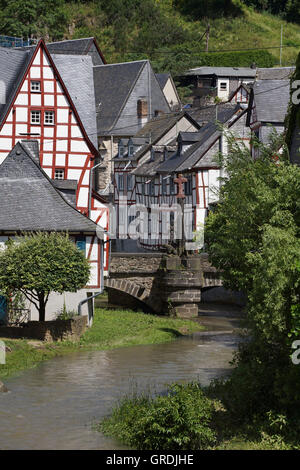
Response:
column 169, row 32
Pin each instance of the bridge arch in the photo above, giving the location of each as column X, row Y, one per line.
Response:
column 131, row 289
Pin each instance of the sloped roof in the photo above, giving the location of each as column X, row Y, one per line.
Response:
column 162, row 79
column 271, row 99
column 150, row 167
column 205, row 114
column 207, row 135
column 274, row 73
column 29, row 200
column 245, row 72
column 32, row 148
column 13, row 64
column 157, row 127
column 113, row 83
column 82, row 46
column 77, row 74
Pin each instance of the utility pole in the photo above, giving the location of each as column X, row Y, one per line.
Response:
column 207, row 36
column 281, row 44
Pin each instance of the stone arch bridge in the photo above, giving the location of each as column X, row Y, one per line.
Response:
column 159, row 282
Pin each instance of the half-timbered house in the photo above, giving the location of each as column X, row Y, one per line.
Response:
column 157, row 135
column 30, row 201
column 50, row 98
column 195, row 158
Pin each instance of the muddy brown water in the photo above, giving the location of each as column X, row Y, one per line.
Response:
column 54, row 405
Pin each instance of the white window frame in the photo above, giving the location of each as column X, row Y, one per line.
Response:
column 58, row 172
column 33, row 89
column 47, row 113
column 33, row 114
column 222, row 88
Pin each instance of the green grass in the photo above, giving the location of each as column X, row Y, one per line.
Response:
column 111, row 329
column 251, row 30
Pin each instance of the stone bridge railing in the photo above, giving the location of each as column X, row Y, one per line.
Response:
column 159, row 282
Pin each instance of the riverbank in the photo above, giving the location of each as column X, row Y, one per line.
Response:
column 111, row 329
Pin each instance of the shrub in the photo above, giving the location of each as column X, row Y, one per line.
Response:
column 179, row 420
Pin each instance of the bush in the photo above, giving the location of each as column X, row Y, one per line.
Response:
column 263, row 380
column 180, row 420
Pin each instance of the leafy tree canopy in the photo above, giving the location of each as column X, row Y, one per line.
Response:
column 254, row 234
column 42, row 263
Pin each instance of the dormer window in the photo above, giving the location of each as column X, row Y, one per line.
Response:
column 121, row 149
column 130, row 149
column 35, row 86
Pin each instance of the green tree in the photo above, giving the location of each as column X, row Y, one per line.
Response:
column 253, row 235
column 39, row 264
column 27, row 18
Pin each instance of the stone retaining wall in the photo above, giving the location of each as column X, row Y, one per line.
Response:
column 48, row 331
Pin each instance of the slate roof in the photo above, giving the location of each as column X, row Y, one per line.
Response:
column 162, row 79
column 243, row 72
column 82, row 46
column 206, row 114
column 77, row 74
column 113, row 84
column 150, row 167
column 117, row 85
column 29, row 200
column 32, row 147
column 271, row 99
column 195, row 154
column 13, row 64
column 274, row 73
column 156, row 128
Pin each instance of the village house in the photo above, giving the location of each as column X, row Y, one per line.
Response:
column 168, row 87
column 207, row 83
column 157, row 136
column 30, row 201
column 127, row 95
column 268, row 103
column 194, row 158
column 50, row 98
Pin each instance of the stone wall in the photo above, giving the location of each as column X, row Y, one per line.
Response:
column 48, row 331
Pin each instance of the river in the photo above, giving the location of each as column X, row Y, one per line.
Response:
column 54, row 405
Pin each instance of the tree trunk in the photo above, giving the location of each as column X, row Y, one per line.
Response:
column 42, row 306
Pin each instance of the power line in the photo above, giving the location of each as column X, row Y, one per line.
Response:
column 61, row 52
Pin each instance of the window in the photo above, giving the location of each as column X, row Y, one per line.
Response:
column 130, row 150
column 81, row 244
column 35, row 86
column 223, row 86
column 121, row 182
column 172, row 186
column 164, row 185
column 35, row 117
column 59, row 174
column 152, row 188
column 188, row 186
column 49, row 117
column 121, row 149
column 129, row 182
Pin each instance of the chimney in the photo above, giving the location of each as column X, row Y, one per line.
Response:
column 142, row 108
